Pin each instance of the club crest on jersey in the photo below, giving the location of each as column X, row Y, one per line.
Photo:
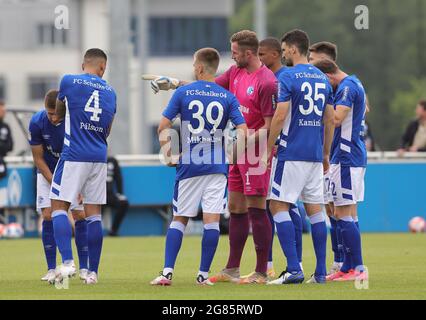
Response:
column 250, row 91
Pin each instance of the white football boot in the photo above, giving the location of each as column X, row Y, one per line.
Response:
column 50, row 276
column 92, row 278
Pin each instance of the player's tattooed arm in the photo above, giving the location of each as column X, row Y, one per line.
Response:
column 168, row 139
column 340, row 114
column 60, row 109
column 40, row 163
column 328, row 135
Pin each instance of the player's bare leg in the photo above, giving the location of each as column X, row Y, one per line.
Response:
column 262, row 237
column 238, row 234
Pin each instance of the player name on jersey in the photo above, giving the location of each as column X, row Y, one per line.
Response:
column 91, row 127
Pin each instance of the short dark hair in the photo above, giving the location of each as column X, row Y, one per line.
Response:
column 246, row 39
column 328, row 48
column 272, row 43
column 209, row 57
column 327, row 66
column 50, row 99
column 95, row 53
column 422, row 103
column 2, row 103
column 297, row 38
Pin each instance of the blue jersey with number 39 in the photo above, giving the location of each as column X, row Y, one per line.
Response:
column 308, row 91
column 90, row 108
column 205, row 109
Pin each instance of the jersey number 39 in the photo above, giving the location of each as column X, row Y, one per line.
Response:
column 96, row 109
column 209, row 116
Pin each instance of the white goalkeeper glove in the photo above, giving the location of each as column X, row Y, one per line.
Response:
column 164, row 83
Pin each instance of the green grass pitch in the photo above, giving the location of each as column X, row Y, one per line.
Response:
column 396, row 264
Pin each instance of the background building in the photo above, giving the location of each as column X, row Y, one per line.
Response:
column 140, row 36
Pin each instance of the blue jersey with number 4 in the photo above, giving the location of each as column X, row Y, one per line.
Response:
column 308, row 91
column 90, row 108
column 51, row 137
column 348, row 145
column 205, row 109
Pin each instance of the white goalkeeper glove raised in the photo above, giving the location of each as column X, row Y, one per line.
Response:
column 164, row 83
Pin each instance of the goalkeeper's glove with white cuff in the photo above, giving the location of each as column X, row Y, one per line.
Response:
column 164, row 83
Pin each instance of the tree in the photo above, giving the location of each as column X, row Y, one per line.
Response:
column 388, row 57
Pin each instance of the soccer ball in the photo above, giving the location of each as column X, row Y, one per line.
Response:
column 13, row 231
column 417, row 224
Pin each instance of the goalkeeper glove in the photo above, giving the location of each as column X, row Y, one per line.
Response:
column 164, row 83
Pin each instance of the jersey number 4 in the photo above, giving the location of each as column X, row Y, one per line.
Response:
column 96, row 109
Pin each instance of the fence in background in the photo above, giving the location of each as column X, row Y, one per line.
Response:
column 395, row 192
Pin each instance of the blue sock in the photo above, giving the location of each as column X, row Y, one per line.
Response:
column 319, row 238
column 94, row 240
column 347, row 260
column 340, row 246
column 49, row 244
column 286, row 235
column 352, row 240
column 209, row 245
column 298, row 229
column 357, row 225
column 173, row 243
column 271, row 219
column 63, row 234
column 334, row 240
column 81, row 242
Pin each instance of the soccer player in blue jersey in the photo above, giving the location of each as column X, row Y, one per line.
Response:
column 89, row 105
column 348, row 164
column 302, row 120
column 317, row 52
column 204, row 109
column 46, row 137
column 270, row 53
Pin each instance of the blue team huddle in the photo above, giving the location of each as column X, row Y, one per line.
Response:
column 314, row 153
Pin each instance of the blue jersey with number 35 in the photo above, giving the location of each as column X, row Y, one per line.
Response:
column 205, row 109
column 90, row 108
column 308, row 91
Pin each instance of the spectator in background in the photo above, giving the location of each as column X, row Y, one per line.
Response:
column 368, row 137
column 414, row 138
column 6, row 145
column 6, row 141
column 115, row 197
